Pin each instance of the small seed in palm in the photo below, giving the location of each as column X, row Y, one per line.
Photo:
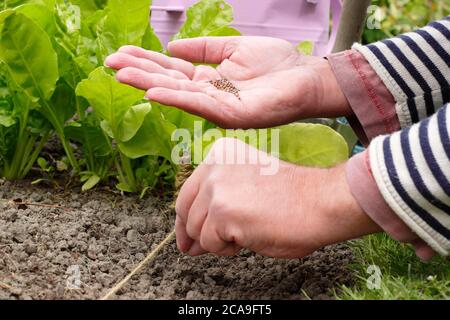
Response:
column 227, row 86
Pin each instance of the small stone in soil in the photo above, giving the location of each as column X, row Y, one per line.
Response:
column 132, row 235
column 227, row 86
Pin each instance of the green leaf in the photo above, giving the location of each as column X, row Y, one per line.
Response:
column 63, row 103
column 110, row 99
column 151, row 40
column 90, row 183
column 41, row 14
column 306, row 48
column 5, row 14
column 312, row 145
column 305, row 144
column 152, row 139
column 62, row 165
column 179, row 118
column 90, row 136
column 225, row 32
column 69, row 16
column 16, row 3
column 37, row 123
column 7, row 121
column 124, row 187
column 207, row 18
column 7, row 118
column 126, row 23
column 43, row 164
column 28, row 52
column 132, row 121
column 88, row 8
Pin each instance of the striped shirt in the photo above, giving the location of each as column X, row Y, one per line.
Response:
column 412, row 167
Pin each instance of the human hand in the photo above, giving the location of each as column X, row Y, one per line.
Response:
column 225, row 207
column 277, row 84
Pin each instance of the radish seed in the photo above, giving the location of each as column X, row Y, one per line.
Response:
column 227, row 86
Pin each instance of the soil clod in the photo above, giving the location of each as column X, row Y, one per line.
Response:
column 44, row 251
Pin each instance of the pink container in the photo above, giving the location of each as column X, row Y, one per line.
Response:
column 292, row 20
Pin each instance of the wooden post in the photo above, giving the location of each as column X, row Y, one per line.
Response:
column 352, row 24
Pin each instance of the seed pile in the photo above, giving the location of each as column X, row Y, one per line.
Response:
column 227, row 86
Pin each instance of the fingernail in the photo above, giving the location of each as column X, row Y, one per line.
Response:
column 105, row 63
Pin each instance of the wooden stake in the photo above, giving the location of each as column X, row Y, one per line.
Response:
column 352, row 24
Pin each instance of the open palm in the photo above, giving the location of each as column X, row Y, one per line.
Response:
column 276, row 84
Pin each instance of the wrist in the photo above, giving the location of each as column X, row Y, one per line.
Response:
column 320, row 95
column 341, row 214
column 333, row 101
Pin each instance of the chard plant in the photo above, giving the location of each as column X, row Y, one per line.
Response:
column 32, row 70
column 52, row 81
column 23, row 131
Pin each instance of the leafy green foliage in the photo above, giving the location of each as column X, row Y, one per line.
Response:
column 393, row 17
column 52, row 81
column 137, row 128
column 126, row 22
column 112, row 102
column 23, row 46
column 306, row 48
column 312, row 145
column 208, row 18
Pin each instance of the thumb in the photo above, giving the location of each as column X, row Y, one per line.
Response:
column 204, row 50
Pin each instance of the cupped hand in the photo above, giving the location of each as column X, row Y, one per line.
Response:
column 277, row 85
column 266, row 205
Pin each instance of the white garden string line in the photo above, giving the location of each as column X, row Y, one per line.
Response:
column 5, row 286
column 139, row 267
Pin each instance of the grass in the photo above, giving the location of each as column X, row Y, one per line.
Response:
column 403, row 275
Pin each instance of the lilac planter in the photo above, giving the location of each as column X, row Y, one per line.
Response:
column 292, row 20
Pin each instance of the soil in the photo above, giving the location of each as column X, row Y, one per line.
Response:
column 54, row 235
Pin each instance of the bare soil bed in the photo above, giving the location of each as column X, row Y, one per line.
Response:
column 103, row 235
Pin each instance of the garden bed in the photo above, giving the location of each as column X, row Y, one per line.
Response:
column 104, row 235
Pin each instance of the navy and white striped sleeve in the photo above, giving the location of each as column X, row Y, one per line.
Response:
column 412, row 171
column 415, row 67
column 412, row 167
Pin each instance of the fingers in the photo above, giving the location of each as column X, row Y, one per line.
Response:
column 120, row 61
column 199, row 235
column 184, row 242
column 187, row 195
column 204, row 50
column 144, row 80
column 196, row 230
column 164, row 61
column 197, row 215
column 186, row 198
column 196, row 250
column 211, row 241
column 205, row 73
column 197, row 103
